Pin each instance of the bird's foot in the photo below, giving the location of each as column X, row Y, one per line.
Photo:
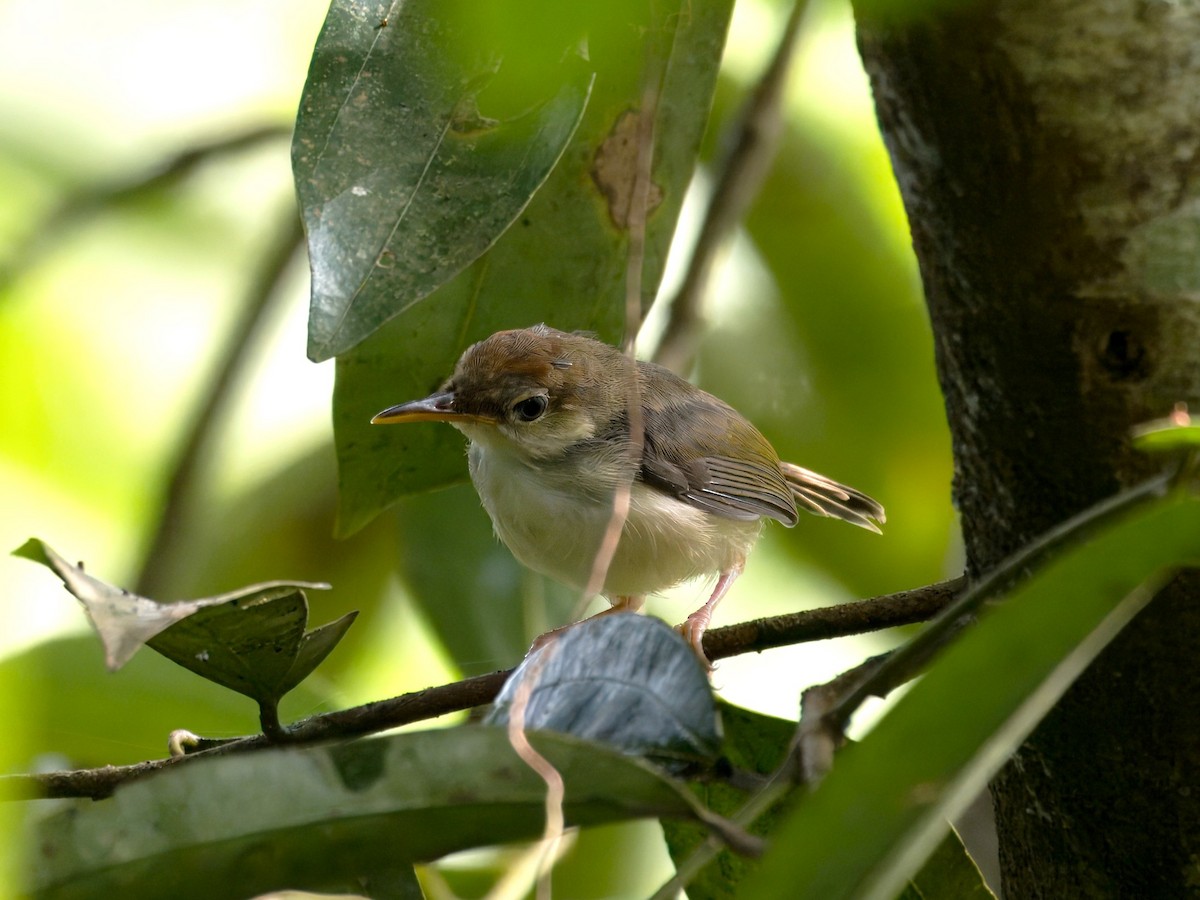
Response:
column 692, row 630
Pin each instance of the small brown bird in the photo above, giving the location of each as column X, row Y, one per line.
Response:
column 547, row 415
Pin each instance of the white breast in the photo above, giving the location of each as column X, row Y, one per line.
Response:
column 554, row 521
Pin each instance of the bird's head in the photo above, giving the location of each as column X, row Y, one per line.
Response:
column 534, row 391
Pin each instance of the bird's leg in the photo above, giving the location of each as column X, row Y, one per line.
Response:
column 629, row 604
column 696, row 624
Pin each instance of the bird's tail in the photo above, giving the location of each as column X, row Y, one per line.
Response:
column 823, row 496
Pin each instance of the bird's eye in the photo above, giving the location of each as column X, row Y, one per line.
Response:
column 530, row 408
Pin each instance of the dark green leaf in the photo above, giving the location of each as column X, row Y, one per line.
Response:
column 314, row 646
column 403, row 178
column 241, row 825
column 251, row 640
column 254, row 643
column 753, row 743
column 884, row 806
column 626, row 680
column 563, row 261
column 125, row 621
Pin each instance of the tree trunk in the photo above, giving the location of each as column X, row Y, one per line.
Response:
column 1048, row 152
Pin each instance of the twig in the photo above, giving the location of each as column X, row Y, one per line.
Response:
column 159, row 177
column 742, row 170
column 862, row 616
column 812, row 625
column 166, row 540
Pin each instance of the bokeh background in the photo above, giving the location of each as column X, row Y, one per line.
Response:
column 119, row 295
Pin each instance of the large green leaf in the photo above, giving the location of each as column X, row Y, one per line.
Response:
column 402, row 180
column 563, row 261
column 884, row 806
column 242, row 825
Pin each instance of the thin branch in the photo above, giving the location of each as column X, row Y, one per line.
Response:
column 812, row 625
column 180, row 494
column 862, row 616
column 94, row 199
column 741, row 173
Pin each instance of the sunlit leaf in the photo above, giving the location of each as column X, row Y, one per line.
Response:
column 403, row 178
column 214, row 829
column 563, row 261
column 1170, row 434
column 626, row 680
column 885, row 805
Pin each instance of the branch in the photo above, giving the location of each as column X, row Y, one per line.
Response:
column 886, row 611
column 741, row 173
column 94, row 199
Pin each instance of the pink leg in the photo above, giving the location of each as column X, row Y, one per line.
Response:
column 697, row 623
column 619, row 605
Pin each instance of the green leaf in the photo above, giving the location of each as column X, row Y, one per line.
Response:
column 1168, row 435
column 402, row 180
column 884, row 806
column 254, row 643
column 563, row 261
column 753, row 743
column 948, row 874
column 252, row 640
column 241, row 825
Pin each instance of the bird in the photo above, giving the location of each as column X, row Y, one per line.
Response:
column 558, row 423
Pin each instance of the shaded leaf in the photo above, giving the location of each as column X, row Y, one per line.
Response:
column 252, row 640
column 403, row 181
column 563, row 261
column 254, row 644
column 753, row 743
column 625, row 680
column 885, row 805
column 241, row 825
column 125, row 621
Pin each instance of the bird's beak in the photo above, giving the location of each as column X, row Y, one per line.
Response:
column 437, row 407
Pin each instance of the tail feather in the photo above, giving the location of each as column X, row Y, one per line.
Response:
column 825, row 497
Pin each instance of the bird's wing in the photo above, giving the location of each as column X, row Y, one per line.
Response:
column 702, row 452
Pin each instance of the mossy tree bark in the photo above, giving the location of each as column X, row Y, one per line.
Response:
column 1048, row 152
